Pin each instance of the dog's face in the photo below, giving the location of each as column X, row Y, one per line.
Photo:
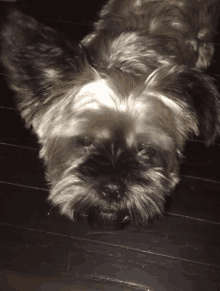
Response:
column 120, row 163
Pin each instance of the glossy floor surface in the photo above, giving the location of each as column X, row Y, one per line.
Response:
column 48, row 252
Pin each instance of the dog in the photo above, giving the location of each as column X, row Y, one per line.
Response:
column 113, row 112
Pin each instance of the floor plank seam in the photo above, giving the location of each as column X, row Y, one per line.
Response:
column 17, row 146
column 192, row 218
column 24, row 186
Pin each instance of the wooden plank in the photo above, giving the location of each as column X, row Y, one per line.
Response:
column 6, row 99
column 54, row 255
column 202, row 161
column 12, row 281
column 27, row 168
column 196, row 198
column 14, row 126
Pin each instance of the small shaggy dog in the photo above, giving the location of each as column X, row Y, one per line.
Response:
column 113, row 113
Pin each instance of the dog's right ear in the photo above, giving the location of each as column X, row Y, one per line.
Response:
column 41, row 64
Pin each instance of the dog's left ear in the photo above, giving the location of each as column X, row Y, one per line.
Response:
column 41, row 64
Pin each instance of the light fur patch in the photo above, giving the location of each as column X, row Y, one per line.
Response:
column 97, row 95
column 93, row 96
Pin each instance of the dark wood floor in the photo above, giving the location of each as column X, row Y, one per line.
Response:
column 47, row 252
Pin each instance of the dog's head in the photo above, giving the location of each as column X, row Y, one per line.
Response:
column 115, row 155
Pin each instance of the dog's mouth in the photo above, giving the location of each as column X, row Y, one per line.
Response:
column 111, row 215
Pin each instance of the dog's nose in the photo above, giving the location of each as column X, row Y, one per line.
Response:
column 113, row 190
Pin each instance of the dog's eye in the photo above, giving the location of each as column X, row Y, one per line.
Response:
column 87, row 142
column 141, row 147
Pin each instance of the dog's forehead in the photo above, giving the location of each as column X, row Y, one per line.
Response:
column 91, row 94
column 98, row 94
column 118, row 99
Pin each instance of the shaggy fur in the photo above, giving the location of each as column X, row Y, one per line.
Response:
column 113, row 113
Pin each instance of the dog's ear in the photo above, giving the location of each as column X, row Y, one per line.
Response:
column 196, row 94
column 41, row 64
column 199, row 91
column 204, row 98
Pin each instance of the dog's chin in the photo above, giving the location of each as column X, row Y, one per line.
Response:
column 109, row 219
column 118, row 219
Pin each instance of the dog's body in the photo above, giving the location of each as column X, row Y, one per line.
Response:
column 182, row 29
column 113, row 113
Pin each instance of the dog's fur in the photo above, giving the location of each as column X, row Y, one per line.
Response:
column 113, row 113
